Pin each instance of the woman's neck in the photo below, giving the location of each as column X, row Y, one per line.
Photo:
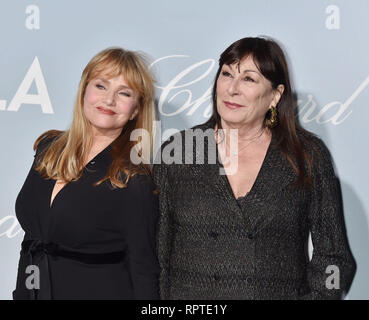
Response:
column 244, row 132
column 100, row 140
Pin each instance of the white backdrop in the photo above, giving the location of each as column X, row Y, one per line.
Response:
column 46, row 44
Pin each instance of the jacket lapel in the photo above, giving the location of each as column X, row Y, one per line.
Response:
column 261, row 204
column 219, row 181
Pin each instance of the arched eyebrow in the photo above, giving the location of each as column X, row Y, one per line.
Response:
column 244, row 71
column 249, row 70
column 108, row 82
column 103, row 80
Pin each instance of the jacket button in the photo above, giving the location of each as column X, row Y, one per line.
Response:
column 92, row 162
column 213, row 234
column 249, row 280
column 250, row 236
column 303, row 291
column 216, row 277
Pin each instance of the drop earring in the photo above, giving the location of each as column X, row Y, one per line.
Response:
column 271, row 117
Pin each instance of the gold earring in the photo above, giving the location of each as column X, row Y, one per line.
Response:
column 271, row 118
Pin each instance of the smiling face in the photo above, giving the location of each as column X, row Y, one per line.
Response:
column 244, row 95
column 109, row 104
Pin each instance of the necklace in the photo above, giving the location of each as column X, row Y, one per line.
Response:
column 237, row 151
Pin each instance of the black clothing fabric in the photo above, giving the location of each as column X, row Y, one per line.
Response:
column 92, row 242
column 212, row 246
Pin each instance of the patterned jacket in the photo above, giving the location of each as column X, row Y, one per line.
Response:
column 212, row 247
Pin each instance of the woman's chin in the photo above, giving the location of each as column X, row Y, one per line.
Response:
column 103, row 126
column 231, row 119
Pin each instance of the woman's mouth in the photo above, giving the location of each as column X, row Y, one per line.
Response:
column 232, row 105
column 106, row 111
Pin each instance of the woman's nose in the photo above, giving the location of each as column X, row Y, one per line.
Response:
column 110, row 98
column 233, row 87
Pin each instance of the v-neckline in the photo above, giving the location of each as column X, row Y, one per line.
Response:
column 254, row 185
column 52, row 201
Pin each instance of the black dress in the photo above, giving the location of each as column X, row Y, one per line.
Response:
column 93, row 242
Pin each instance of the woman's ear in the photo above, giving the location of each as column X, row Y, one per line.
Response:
column 134, row 114
column 278, row 92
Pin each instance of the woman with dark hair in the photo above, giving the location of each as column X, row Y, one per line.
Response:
column 238, row 228
column 89, row 213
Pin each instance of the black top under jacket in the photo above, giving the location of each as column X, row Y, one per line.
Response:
column 92, row 242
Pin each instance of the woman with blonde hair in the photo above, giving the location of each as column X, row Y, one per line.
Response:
column 89, row 213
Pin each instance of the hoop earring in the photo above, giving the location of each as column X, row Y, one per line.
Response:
column 271, row 118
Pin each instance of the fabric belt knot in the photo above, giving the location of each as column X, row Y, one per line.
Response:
column 37, row 246
column 39, row 253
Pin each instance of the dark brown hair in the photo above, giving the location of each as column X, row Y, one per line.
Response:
column 270, row 60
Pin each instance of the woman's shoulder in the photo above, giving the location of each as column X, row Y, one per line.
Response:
column 45, row 140
column 179, row 138
column 175, row 148
column 316, row 148
column 142, row 178
column 312, row 141
column 142, row 184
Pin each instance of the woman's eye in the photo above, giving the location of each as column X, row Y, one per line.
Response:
column 226, row 74
column 249, row 79
column 99, row 86
column 126, row 94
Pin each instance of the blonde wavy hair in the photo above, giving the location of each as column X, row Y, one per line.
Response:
column 65, row 157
